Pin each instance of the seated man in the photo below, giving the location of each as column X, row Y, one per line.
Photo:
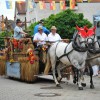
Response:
column 55, row 37
column 40, row 37
column 18, row 32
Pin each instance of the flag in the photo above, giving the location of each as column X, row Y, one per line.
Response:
column 79, row 0
column 52, row 5
column 42, row 4
column 34, row 4
column 9, row 4
column 89, row 0
column 62, row 5
column 30, row 4
column 72, row 4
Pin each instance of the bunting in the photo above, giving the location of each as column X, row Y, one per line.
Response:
column 62, row 5
column 30, row 4
column 42, row 4
column 72, row 4
column 34, row 4
column 79, row 0
column 52, row 5
column 9, row 4
column 89, row 0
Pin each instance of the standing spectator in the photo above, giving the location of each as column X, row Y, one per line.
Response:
column 95, row 70
column 45, row 30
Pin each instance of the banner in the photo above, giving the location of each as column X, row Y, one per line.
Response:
column 62, row 5
column 34, row 4
column 79, row 0
column 42, row 4
column 52, row 5
column 30, row 4
column 89, row 0
column 9, row 4
column 72, row 4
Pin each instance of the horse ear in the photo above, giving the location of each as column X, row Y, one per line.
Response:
column 77, row 28
column 94, row 28
column 85, row 28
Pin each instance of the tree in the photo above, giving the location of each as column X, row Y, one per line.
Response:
column 65, row 22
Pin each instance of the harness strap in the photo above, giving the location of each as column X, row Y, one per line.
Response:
column 65, row 54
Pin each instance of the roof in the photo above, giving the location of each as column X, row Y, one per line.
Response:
column 91, row 1
column 94, row 1
column 47, row 0
column 21, row 7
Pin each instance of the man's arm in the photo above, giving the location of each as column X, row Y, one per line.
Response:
column 46, row 30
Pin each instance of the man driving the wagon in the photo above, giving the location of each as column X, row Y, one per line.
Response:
column 18, row 31
column 19, row 36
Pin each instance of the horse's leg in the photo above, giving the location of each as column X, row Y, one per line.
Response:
column 74, row 75
column 59, row 72
column 91, row 80
column 77, row 75
column 76, row 65
column 54, row 74
column 83, row 83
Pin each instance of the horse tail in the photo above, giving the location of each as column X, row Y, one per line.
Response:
column 48, row 65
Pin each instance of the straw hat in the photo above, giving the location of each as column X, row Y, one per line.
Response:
column 40, row 28
column 53, row 28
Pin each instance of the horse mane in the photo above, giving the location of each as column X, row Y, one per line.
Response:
column 75, row 44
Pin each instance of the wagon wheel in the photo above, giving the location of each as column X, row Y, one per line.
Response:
column 28, row 71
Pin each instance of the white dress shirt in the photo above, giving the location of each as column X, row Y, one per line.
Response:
column 54, row 37
column 42, row 37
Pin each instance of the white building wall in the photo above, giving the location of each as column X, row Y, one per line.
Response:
column 88, row 9
column 39, row 14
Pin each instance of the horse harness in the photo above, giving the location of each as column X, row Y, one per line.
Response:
column 65, row 54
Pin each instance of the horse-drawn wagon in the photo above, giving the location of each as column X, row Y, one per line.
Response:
column 20, row 60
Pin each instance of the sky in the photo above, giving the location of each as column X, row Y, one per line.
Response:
column 7, row 12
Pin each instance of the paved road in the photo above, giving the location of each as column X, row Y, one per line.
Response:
column 16, row 90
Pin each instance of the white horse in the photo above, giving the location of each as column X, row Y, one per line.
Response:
column 74, row 53
column 93, row 55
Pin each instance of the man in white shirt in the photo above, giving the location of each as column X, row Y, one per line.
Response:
column 40, row 37
column 53, row 36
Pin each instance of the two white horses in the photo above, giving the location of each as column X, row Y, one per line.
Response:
column 74, row 53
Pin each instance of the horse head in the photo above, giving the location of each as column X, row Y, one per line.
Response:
column 79, row 39
column 93, row 44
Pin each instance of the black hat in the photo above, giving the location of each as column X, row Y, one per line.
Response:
column 18, row 21
column 41, row 21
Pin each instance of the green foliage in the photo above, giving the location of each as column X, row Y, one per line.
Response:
column 65, row 22
column 4, row 34
column 31, row 27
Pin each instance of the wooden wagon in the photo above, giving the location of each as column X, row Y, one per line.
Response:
column 20, row 60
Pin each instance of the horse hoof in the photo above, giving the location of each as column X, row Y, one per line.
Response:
column 83, row 84
column 59, row 79
column 74, row 81
column 80, row 88
column 91, row 86
column 58, row 85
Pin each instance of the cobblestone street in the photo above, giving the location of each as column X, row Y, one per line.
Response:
column 16, row 90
